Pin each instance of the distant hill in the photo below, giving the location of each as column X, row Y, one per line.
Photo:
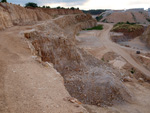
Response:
column 132, row 16
column 94, row 12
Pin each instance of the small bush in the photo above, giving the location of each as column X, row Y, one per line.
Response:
column 103, row 59
column 132, row 70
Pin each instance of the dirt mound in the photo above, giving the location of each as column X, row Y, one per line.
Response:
column 86, row 78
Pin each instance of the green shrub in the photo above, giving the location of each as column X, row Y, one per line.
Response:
column 102, row 59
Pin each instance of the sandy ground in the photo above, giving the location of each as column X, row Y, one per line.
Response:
column 27, row 86
column 100, row 45
column 135, row 44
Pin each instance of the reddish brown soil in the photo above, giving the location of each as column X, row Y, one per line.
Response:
column 131, row 34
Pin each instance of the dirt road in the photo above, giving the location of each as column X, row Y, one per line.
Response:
column 26, row 86
column 107, row 42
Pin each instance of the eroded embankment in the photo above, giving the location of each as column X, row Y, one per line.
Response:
column 86, row 78
column 129, row 31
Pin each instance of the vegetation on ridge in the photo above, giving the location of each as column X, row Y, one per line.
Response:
column 127, row 26
column 94, row 12
column 99, row 27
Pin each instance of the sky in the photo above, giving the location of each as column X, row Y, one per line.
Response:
column 89, row 4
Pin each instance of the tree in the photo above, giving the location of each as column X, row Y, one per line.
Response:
column 47, row 6
column 3, row 0
column 72, row 8
column 31, row 4
column 58, row 7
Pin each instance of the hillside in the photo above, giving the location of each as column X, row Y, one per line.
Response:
column 94, row 12
column 28, row 84
column 124, row 16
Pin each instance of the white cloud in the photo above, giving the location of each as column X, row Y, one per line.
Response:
column 90, row 4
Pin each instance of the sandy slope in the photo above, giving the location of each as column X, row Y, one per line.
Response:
column 26, row 86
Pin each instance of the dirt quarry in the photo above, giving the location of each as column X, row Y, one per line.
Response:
column 52, row 67
column 81, row 71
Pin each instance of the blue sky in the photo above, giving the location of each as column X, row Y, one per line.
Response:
column 90, row 4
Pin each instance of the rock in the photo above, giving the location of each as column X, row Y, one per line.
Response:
column 141, row 80
column 73, row 100
column 127, row 79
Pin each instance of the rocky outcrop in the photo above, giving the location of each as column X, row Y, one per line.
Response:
column 146, row 37
column 93, row 81
column 11, row 14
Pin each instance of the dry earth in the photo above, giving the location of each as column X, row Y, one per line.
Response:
column 120, row 58
column 90, row 67
column 26, row 85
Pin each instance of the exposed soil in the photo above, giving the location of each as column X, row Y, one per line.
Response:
column 93, row 81
column 128, row 34
column 26, row 84
column 99, row 73
column 132, row 77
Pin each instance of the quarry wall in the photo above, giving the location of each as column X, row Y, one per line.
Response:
column 11, row 14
